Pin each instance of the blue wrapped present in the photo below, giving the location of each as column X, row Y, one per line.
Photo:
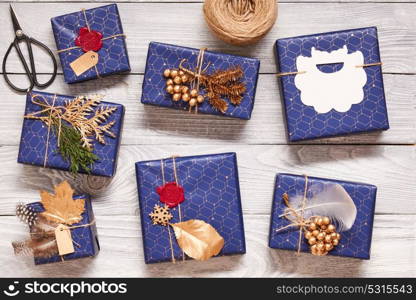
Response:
column 85, row 238
column 163, row 56
column 39, row 148
column 332, row 84
column 355, row 242
column 98, row 30
column 212, row 194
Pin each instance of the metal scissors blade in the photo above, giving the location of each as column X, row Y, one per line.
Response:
column 15, row 22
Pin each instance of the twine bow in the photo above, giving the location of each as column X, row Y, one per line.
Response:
column 54, row 112
column 197, row 73
column 318, row 229
column 298, row 219
column 89, row 29
column 216, row 87
column 67, row 227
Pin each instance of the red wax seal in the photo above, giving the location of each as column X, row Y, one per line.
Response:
column 89, row 40
column 171, row 194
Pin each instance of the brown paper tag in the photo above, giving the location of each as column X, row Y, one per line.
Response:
column 64, row 240
column 84, row 62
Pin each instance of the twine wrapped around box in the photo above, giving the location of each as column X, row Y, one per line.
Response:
column 50, row 230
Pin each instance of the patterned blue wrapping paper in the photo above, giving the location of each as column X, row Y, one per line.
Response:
column 34, row 136
column 212, row 194
column 355, row 242
column 163, row 56
column 303, row 122
column 113, row 57
column 85, row 238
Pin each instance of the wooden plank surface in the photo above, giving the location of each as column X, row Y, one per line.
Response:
column 391, row 168
column 146, row 124
column 385, row 159
column 122, row 254
column 395, row 22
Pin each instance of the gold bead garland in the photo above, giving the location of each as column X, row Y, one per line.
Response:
column 175, row 85
column 321, row 235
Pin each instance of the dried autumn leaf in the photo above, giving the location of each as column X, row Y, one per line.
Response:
column 61, row 207
column 198, row 239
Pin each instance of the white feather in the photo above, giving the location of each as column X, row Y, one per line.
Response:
column 332, row 201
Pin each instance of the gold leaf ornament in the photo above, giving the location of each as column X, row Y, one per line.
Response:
column 61, row 207
column 198, row 239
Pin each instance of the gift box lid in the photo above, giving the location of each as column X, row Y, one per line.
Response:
column 331, row 96
column 32, row 149
column 164, row 56
column 212, row 194
column 85, row 238
column 355, row 242
column 112, row 57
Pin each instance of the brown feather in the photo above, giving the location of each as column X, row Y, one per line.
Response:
column 42, row 243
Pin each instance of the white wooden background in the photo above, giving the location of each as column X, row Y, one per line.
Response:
column 385, row 159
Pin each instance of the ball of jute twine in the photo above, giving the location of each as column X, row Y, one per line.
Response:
column 240, row 22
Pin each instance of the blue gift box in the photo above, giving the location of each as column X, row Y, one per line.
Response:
column 34, row 138
column 163, row 56
column 308, row 121
column 355, row 242
column 85, row 239
column 112, row 57
column 212, row 194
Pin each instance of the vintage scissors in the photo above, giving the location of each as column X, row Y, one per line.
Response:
column 20, row 36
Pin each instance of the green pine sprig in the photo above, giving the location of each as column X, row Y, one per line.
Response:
column 71, row 149
column 76, row 125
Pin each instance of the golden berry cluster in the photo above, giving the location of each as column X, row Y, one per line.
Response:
column 321, row 235
column 175, row 85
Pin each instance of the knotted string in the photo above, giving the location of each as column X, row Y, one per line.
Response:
column 68, row 227
column 198, row 72
column 74, row 227
column 89, row 29
column 298, row 218
column 175, row 174
column 303, row 72
column 53, row 112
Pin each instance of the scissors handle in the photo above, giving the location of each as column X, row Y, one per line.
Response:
column 55, row 66
column 30, row 69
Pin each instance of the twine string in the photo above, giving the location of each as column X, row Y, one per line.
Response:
column 74, row 227
column 85, row 18
column 175, row 174
column 89, row 29
column 298, row 218
column 303, row 72
column 48, row 135
column 240, row 22
column 53, row 112
column 67, row 228
column 197, row 74
column 199, row 70
column 171, row 246
column 162, row 168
